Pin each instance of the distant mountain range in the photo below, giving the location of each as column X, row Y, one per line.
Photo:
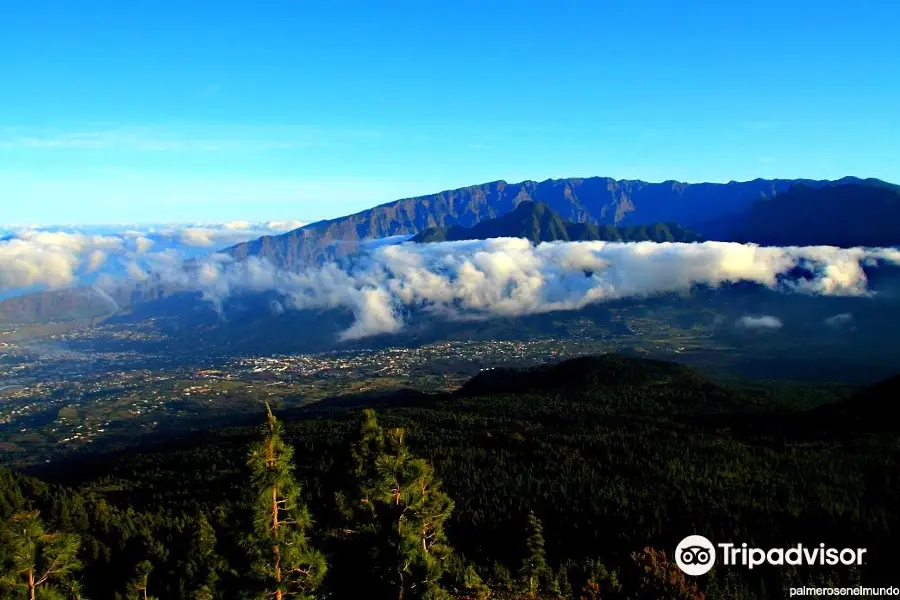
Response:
column 846, row 212
column 537, row 222
column 714, row 210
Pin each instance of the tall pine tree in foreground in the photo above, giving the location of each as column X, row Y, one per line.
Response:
column 283, row 559
column 536, row 574
column 401, row 508
column 36, row 564
column 360, row 562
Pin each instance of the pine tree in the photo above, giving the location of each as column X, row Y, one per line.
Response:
column 203, row 564
column 562, row 582
column 284, row 560
column 76, row 591
column 139, row 585
column 501, row 577
column 402, row 508
column 473, row 585
column 359, row 561
column 465, row 580
column 535, row 573
column 417, row 510
column 600, row 581
column 369, row 447
column 36, row 563
column 359, row 507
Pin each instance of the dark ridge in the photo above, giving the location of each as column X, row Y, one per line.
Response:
column 581, row 374
column 848, row 215
column 871, row 410
column 537, row 222
column 405, row 397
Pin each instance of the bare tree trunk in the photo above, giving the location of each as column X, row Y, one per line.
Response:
column 270, row 451
column 31, row 585
column 400, row 555
column 277, row 550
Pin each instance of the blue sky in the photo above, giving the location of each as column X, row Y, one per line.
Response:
column 210, row 111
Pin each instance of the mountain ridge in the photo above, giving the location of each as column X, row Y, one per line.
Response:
column 735, row 211
column 594, row 200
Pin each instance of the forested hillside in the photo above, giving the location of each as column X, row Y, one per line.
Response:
column 576, row 482
column 537, row 222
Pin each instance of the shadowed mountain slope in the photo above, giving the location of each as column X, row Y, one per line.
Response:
column 537, row 222
column 842, row 215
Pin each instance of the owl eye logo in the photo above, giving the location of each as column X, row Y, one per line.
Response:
column 695, row 555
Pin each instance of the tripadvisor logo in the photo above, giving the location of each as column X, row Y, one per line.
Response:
column 696, row 555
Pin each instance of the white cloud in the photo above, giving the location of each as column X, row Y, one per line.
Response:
column 142, row 244
column 764, row 322
column 454, row 280
column 284, row 225
column 839, row 320
column 227, row 234
column 194, row 236
column 95, row 260
column 57, row 258
column 232, row 225
column 53, row 259
column 510, row 277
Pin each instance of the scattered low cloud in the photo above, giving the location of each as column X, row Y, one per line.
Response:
column 142, row 244
column 840, row 320
column 763, row 322
column 226, row 234
column 140, row 141
column 168, row 139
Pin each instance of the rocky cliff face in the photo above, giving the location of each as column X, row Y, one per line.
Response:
column 597, row 200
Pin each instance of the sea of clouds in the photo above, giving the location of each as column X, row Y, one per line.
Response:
column 511, row 277
column 60, row 256
column 452, row 280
